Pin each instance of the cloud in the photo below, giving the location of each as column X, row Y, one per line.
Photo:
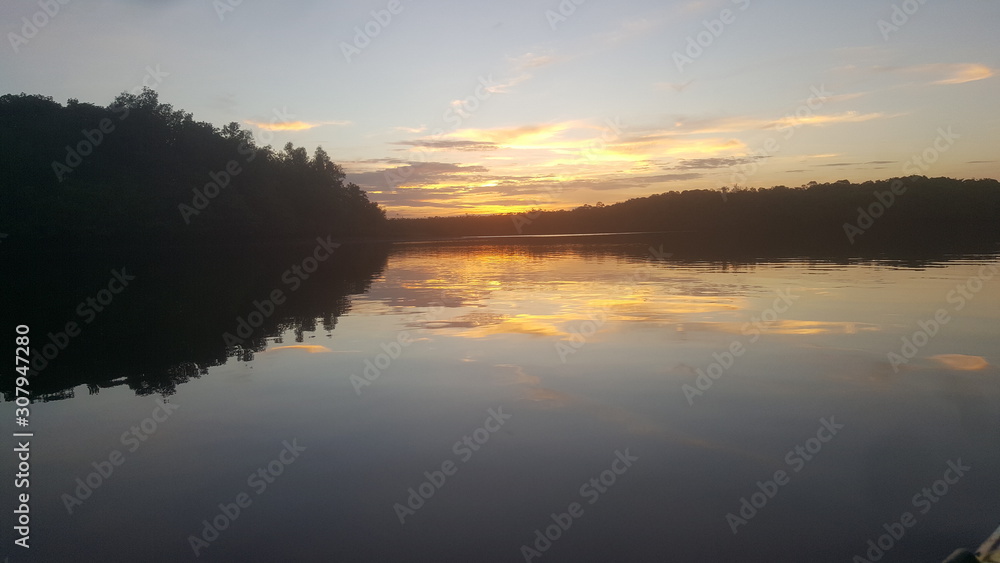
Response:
column 961, row 362
column 836, row 98
column 629, row 30
column 856, row 163
column 446, row 144
column 821, row 120
column 226, row 102
column 575, row 158
column 575, row 143
column 526, row 134
column 532, row 60
column 716, row 125
column 379, row 160
column 790, row 327
column 962, row 73
column 947, row 73
column 520, row 71
column 498, row 88
column 292, row 125
column 714, row 162
column 417, row 174
column 713, row 125
column 609, row 182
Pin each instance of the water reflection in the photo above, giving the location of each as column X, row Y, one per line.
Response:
column 167, row 328
column 589, row 348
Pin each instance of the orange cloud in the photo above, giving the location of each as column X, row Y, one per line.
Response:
column 962, row 73
column 526, row 134
column 292, row 125
column 961, row 362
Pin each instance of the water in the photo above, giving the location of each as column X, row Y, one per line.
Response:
column 558, row 361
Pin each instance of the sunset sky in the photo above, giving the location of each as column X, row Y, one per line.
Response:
column 453, row 107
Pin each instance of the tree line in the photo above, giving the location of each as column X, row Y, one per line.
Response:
column 909, row 211
column 139, row 170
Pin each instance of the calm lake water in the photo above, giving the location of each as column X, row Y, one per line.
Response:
column 482, row 394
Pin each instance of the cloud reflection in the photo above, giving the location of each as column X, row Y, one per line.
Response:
column 961, row 362
column 308, row 348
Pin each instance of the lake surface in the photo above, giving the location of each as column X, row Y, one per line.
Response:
column 472, row 396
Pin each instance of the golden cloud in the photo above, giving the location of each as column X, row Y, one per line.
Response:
column 292, row 125
column 526, row 134
column 821, row 120
column 961, row 362
column 960, row 73
column 953, row 73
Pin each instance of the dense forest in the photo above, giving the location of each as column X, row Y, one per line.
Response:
column 139, row 170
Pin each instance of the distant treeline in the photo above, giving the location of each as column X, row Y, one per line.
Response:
column 138, row 170
column 909, row 211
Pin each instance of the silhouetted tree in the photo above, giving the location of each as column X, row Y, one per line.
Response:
column 123, row 172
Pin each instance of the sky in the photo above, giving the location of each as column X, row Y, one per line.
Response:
column 441, row 107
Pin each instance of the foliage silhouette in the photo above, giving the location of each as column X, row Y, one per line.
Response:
column 932, row 213
column 132, row 171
